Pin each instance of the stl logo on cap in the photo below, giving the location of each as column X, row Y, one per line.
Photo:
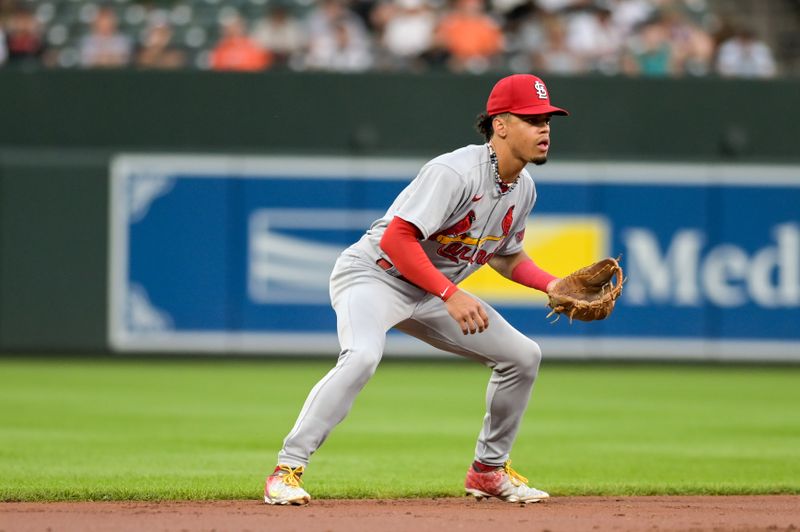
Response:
column 541, row 90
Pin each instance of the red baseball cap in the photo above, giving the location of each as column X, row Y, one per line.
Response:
column 521, row 94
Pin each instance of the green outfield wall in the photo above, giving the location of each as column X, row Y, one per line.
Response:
column 59, row 130
column 396, row 114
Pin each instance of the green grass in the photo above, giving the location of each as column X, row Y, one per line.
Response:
column 123, row 429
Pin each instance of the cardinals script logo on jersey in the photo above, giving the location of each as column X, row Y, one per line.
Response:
column 457, row 245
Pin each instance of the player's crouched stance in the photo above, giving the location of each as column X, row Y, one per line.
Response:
column 465, row 209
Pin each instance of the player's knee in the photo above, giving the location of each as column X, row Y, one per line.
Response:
column 363, row 362
column 529, row 362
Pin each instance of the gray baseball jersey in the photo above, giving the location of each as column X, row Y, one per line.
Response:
column 457, row 204
column 464, row 218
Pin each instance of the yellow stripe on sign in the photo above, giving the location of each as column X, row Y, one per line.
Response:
column 558, row 244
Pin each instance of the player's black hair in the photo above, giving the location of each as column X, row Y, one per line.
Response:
column 484, row 126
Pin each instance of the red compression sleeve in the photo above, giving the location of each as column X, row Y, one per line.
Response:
column 400, row 241
column 529, row 274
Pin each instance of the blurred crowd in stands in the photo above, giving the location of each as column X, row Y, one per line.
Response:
column 564, row 37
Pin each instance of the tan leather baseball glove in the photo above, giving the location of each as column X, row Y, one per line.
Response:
column 587, row 294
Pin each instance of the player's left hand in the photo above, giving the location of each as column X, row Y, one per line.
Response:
column 468, row 312
column 587, row 294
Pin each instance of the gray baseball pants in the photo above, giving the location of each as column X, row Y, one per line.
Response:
column 368, row 302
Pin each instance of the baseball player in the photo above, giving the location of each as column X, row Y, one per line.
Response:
column 464, row 209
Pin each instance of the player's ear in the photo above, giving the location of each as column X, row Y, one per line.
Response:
column 499, row 126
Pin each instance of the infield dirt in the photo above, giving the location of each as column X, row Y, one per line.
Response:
column 768, row 513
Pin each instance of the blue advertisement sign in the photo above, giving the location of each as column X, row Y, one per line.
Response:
column 232, row 254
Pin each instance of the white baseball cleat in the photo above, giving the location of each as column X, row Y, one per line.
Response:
column 283, row 486
column 503, row 483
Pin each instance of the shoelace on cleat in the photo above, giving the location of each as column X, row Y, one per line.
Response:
column 515, row 477
column 291, row 476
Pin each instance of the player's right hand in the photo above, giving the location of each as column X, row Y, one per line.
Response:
column 467, row 312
